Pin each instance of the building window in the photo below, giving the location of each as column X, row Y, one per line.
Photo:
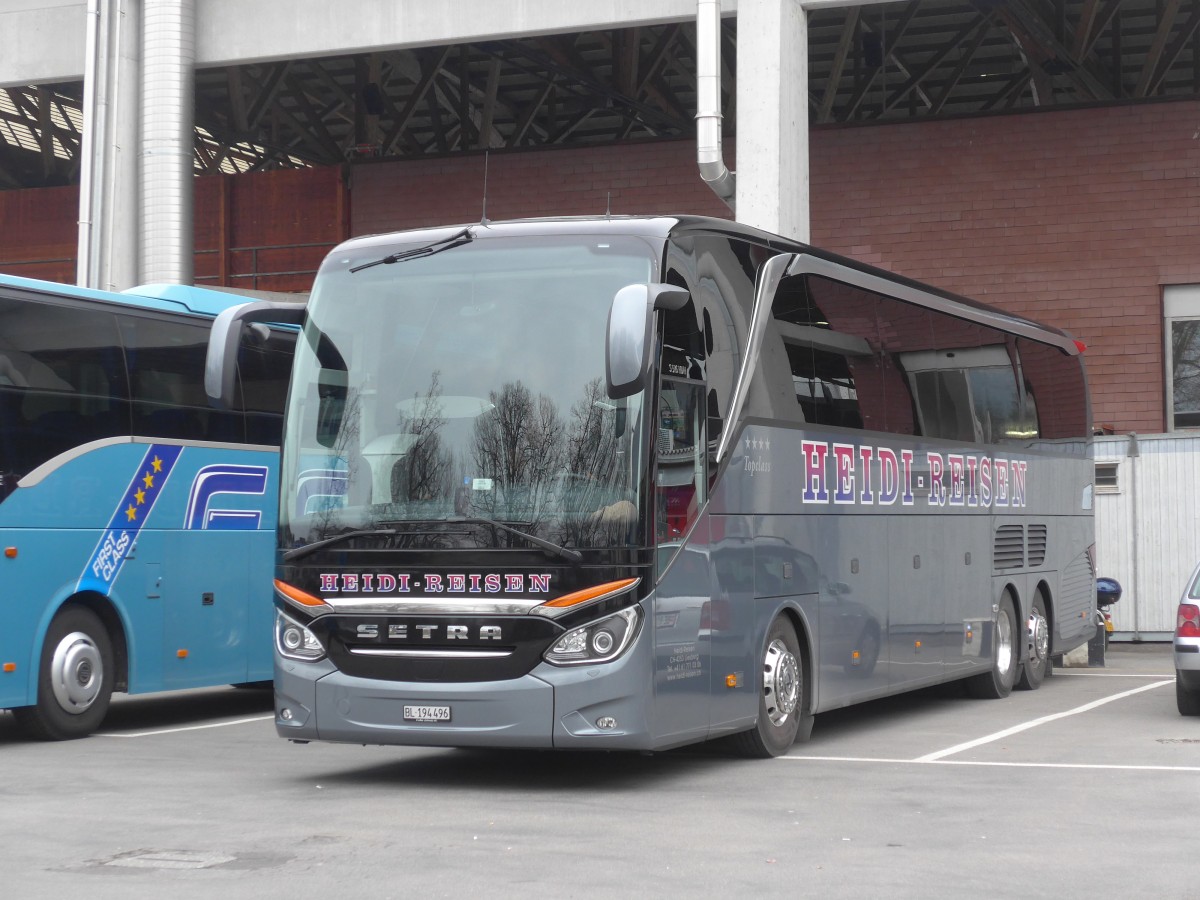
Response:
column 1181, row 307
column 1106, row 478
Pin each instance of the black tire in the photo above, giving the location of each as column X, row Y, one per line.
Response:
column 781, row 695
column 1036, row 666
column 1187, row 701
column 75, row 678
column 998, row 683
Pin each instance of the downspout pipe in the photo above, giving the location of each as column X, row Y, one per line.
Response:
column 89, row 144
column 709, row 149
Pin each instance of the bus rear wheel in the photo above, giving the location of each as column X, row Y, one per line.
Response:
column 998, row 682
column 781, row 695
column 1036, row 665
column 74, row 678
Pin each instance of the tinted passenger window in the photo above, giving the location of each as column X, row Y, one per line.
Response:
column 827, row 329
column 166, row 364
column 1057, row 391
column 62, row 381
column 264, row 369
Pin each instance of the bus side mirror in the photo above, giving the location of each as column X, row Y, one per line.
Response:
column 628, row 341
column 220, row 365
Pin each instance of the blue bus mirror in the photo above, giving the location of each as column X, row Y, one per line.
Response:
column 628, row 342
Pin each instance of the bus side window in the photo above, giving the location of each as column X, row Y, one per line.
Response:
column 904, row 328
column 828, row 330
column 264, row 370
column 67, row 380
column 1054, row 387
column 681, row 486
column 166, row 362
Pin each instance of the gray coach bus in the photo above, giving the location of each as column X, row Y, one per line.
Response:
column 639, row 482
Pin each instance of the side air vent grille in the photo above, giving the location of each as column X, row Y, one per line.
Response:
column 1037, row 546
column 1008, row 551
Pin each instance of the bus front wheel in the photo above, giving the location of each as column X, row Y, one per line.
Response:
column 781, row 695
column 74, row 678
column 998, row 682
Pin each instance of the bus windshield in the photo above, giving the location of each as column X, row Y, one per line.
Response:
column 462, row 386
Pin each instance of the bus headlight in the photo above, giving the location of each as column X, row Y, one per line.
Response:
column 294, row 641
column 597, row 642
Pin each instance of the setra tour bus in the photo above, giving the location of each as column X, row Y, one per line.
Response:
column 137, row 522
column 639, row 482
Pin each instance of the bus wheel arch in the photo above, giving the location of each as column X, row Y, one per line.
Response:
column 115, row 626
column 782, row 683
column 77, row 672
column 997, row 682
column 1037, row 630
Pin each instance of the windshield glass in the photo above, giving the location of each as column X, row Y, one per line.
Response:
column 466, row 384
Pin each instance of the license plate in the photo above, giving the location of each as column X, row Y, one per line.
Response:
column 426, row 714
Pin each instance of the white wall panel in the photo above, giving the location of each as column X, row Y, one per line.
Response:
column 42, row 41
column 1148, row 533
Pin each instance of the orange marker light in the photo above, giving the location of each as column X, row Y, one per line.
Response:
column 182, row 654
column 600, row 590
column 10, row 552
column 297, row 596
column 10, row 667
column 732, row 681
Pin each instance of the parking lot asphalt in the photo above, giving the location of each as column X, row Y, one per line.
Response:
column 1087, row 787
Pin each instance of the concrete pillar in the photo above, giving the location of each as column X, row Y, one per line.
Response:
column 772, row 117
column 108, row 250
column 168, row 136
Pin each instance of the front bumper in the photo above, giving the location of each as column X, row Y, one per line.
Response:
column 550, row 707
column 1187, row 662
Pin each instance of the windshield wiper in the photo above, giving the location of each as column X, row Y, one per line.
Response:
column 572, row 556
column 298, row 552
column 449, row 243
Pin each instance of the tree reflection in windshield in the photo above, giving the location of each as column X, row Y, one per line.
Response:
column 465, row 386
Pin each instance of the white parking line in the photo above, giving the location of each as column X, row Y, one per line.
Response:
column 1058, row 672
column 1025, row 726
column 1011, row 765
column 140, row 734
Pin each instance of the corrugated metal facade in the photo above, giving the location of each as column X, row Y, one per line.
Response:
column 1148, row 527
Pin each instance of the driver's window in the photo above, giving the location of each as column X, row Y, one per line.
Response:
column 680, row 482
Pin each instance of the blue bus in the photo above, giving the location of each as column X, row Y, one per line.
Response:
column 137, row 522
column 631, row 483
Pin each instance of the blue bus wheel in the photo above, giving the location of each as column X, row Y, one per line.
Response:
column 781, row 695
column 74, row 678
column 998, row 682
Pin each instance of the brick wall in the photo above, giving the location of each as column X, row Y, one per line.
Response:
column 1076, row 218
column 39, row 237
column 267, row 231
column 627, row 179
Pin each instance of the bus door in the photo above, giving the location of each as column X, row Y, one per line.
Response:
column 682, row 616
column 204, row 584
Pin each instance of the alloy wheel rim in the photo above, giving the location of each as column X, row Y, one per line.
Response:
column 781, row 682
